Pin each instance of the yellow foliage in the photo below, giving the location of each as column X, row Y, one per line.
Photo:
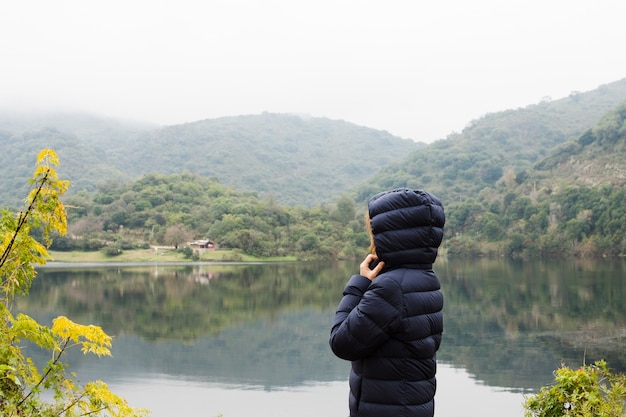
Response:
column 99, row 396
column 21, row 382
column 47, row 154
column 91, row 338
column 25, row 327
column 19, row 252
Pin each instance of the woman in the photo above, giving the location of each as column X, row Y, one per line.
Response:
column 389, row 322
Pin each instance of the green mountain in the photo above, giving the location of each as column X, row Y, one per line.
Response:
column 544, row 180
column 298, row 160
column 572, row 202
column 88, row 147
column 499, row 144
column 593, row 159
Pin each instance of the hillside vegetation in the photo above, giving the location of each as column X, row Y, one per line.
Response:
column 175, row 209
column 88, row 146
column 512, row 141
column 546, row 180
column 571, row 202
column 297, row 160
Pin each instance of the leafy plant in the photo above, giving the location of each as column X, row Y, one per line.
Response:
column 23, row 386
column 589, row 391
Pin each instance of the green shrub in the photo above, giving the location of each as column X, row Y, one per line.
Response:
column 187, row 252
column 112, row 250
column 589, row 391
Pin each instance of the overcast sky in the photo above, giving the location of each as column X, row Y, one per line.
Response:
column 417, row 69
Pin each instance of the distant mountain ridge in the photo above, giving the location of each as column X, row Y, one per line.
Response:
column 297, row 160
column 544, row 181
column 508, row 142
column 300, row 160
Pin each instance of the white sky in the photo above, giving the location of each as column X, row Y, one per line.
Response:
column 417, row 69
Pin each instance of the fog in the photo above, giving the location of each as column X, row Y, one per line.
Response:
column 417, row 70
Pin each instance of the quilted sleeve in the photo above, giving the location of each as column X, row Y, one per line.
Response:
column 365, row 317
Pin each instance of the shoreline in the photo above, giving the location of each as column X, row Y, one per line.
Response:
column 158, row 255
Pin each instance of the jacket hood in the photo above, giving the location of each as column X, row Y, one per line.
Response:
column 407, row 226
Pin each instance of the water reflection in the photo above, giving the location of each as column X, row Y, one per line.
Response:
column 507, row 325
column 457, row 395
column 512, row 323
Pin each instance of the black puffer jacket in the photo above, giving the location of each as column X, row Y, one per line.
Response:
column 390, row 328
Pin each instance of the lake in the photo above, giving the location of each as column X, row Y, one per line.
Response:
column 252, row 339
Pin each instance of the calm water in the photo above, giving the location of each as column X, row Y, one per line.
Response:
column 241, row 340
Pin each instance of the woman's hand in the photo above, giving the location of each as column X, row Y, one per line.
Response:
column 364, row 268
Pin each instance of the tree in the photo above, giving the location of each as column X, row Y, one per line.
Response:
column 345, row 211
column 177, row 234
column 23, row 386
column 490, row 226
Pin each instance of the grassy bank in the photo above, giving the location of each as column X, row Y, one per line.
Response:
column 160, row 254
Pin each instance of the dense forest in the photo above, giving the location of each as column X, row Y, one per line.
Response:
column 573, row 202
column 175, row 209
column 295, row 159
column 546, row 180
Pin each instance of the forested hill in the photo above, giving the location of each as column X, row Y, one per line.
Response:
column 572, row 202
column 595, row 158
column 545, row 180
column 89, row 148
column 509, row 142
column 297, row 160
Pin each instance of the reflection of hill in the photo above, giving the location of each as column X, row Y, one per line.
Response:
column 171, row 302
column 264, row 324
column 174, row 302
column 286, row 351
column 508, row 324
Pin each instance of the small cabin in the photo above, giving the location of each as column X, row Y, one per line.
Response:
column 202, row 244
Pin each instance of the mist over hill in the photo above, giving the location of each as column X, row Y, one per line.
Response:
column 511, row 141
column 544, row 180
column 297, row 160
